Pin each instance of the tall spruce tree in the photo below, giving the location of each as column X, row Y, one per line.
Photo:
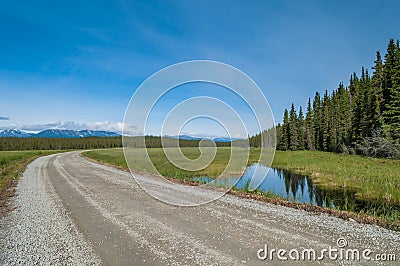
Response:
column 367, row 105
column 377, row 100
column 388, row 70
column 356, row 109
column 293, row 130
column 301, row 129
column 378, row 78
column 392, row 107
column 309, row 145
column 326, row 122
column 285, row 131
column 317, row 122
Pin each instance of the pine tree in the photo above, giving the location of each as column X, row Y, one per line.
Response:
column 325, row 122
column 376, row 102
column 301, row 129
column 335, row 120
column 393, row 113
column 346, row 103
column 343, row 117
column 309, row 127
column 378, row 78
column 356, row 111
column 388, row 70
column 293, row 131
column 368, row 106
column 279, row 137
column 396, row 67
column 285, row 131
column 317, row 122
column 392, row 107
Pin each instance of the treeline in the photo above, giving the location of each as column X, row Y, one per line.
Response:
column 166, row 142
column 361, row 118
column 13, row 144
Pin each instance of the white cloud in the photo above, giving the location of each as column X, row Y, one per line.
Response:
column 103, row 125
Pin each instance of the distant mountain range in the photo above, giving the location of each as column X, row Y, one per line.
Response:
column 68, row 133
column 57, row 133
column 14, row 133
column 217, row 139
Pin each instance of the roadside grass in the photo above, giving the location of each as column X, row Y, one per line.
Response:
column 12, row 164
column 375, row 181
column 165, row 167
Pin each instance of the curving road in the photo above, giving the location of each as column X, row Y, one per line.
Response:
column 73, row 211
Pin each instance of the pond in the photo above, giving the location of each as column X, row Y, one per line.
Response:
column 293, row 187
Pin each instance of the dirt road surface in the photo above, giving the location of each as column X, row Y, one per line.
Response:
column 71, row 211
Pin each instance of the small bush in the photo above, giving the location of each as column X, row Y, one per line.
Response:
column 378, row 146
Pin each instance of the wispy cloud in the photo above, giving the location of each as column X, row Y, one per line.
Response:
column 100, row 125
column 37, row 127
column 4, row 118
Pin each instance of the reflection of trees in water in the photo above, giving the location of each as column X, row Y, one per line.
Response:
column 311, row 190
column 302, row 184
column 342, row 199
column 295, row 184
column 283, row 174
column 292, row 182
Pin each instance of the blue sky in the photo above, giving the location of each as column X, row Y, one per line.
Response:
column 77, row 63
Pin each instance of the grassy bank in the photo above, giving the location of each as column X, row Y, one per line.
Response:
column 12, row 164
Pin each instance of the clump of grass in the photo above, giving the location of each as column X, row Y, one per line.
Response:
column 12, row 164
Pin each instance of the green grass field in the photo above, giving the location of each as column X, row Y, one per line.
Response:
column 373, row 179
column 13, row 163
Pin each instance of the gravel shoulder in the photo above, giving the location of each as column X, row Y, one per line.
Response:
column 73, row 211
column 40, row 231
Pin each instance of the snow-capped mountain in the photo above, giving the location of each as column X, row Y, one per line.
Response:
column 186, row 137
column 57, row 133
column 14, row 133
column 216, row 139
column 222, row 139
column 97, row 133
column 68, row 133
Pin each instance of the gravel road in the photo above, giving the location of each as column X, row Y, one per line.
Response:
column 71, row 211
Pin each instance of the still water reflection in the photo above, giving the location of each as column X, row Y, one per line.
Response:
column 293, row 187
